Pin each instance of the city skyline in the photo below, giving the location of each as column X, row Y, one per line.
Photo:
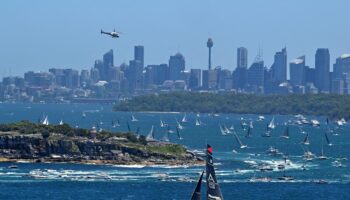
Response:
column 56, row 41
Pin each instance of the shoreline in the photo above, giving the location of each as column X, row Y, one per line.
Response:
column 104, row 162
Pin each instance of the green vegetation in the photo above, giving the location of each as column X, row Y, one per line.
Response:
column 333, row 106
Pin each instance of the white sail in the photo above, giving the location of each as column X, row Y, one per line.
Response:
column 272, row 123
column 222, row 130
column 150, row 135
column 184, row 119
column 61, row 122
column 46, row 121
column 133, row 118
column 179, row 126
column 242, row 146
column 198, row 122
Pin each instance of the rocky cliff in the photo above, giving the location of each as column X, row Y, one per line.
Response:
column 115, row 150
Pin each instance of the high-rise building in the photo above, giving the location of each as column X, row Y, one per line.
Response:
column 322, row 65
column 255, row 76
column 242, row 57
column 195, row 78
column 139, row 54
column 297, row 71
column 176, row 66
column 239, row 78
column 279, row 67
column 210, row 79
column 341, row 71
column 108, row 62
column 209, row 45
column 135, row 77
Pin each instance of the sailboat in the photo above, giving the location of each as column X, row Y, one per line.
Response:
column 45, row 121
column 184, row 119
column 286, row 133
column 322, row 156
column 196, row 195
column 306, row 139
column 83, row 115
column 162, row 124
column 267, row 133
column 232, row 127
column 213, row 189
column 285, row 177
column 178, row 125
column 272, row 123
column 133, row 118
column 327, row 140
column 227, row 131
column 249, row 132
column 61, row 122
column 242, row 146
column 150, row 136
column 198, row 122
column 178, row 133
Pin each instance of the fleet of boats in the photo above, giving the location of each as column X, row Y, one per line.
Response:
column 248, row 128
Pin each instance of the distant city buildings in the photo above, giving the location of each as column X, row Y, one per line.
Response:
column 107, row 81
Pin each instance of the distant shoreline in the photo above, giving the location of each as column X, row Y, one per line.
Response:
column 332, row 106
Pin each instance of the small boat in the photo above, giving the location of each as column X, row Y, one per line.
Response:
column 327, row 140
column 314, row 122
column 249, row 132
column 83, row 115
column 261, row 118
column 12, row 167
column 306, row 140
column 61, row 122
column 241, row 145
column 45, row 121
column 178, row 133
column 178, row 125
column 272, row 123
column 150, row 136
column 308, row 156
column 162, row 124
column 232, row 128
column 198, row 123
column 273, row 151
column 286, row 133
column 286, row 178
column 184, row 119
column 133, row 118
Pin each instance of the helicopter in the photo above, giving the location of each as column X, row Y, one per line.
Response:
column 113, row 34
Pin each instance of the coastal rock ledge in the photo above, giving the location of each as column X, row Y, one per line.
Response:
column 121, row 149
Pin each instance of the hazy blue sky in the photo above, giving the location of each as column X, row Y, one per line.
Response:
column 39, row 34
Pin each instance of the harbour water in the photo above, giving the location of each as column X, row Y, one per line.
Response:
column 240, row 171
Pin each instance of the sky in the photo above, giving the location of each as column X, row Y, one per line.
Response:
column 39, row 34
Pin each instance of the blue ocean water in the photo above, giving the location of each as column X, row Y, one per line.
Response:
column 235, row 166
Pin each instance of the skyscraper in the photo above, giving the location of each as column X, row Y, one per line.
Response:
column 279, row 67
column 297, row 71
column 209, row 45
column 176, row 65
column 322, row 70
column 341, row 72
column 195, row 78
column 255, row 76
column 139, row 54
column 103, row 66
column 242, row 57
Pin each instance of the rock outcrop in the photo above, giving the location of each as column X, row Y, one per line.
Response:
column 60, row 148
